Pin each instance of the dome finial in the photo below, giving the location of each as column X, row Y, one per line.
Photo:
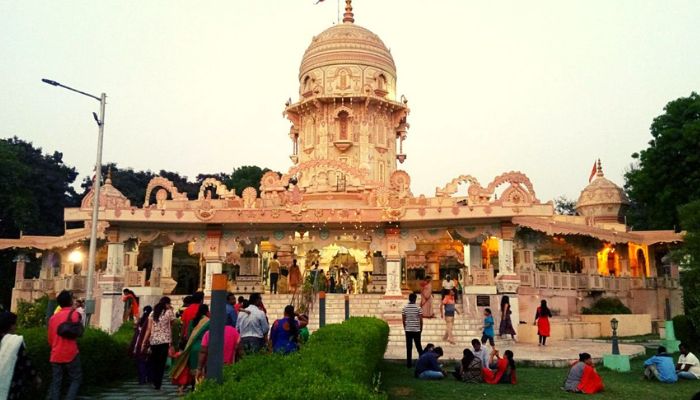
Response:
column 108, row 181
column 348, row 17
column 599, row 171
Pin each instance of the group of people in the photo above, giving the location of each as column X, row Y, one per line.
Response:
column 660, row 366
column 293, row 275
column 247, row 331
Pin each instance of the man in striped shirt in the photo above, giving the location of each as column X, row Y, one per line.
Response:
column 413, row 326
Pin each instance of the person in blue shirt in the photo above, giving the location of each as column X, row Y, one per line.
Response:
column 660, row 367
column 231, row 314
column 428, row 367
column 488, row 332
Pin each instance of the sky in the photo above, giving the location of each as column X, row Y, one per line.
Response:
column 541, row 87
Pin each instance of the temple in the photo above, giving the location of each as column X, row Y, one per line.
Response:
column 345, row 203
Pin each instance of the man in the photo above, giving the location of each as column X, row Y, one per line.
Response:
column 428, row 367
column 231, row 314
column 253, row 325
column 688, row 366
column 274, row 273
column 447, row 285
column 660, row 367
column 412, row 326
column 191, row 312
column 64, row 351
column 480, row 353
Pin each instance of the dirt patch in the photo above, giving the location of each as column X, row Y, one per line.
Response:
column 402, row 391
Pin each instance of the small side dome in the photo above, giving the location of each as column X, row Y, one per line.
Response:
column 602, row 200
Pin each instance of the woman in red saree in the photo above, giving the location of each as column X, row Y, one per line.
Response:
column 582, row 377
column 542, row 317
column 426, row 297
column 504, row 371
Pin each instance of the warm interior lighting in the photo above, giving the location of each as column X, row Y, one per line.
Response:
column 489, row 250
column 75, row 256
column 639, row 259
column 608, row 261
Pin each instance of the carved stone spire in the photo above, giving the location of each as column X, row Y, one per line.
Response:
column 348, row 17
column 108, row 181
column 599, row 172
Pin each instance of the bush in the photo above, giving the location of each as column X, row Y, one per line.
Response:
column 30, row 315
column 607, row 305
column 686, row 332
column 104, row 357
column 338, row 362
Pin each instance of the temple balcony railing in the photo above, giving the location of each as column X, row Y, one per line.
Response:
column 578, row 281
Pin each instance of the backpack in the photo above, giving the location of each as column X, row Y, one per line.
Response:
column 69, row 329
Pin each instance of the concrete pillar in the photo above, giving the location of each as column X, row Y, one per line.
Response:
column 20, row 265
column 505, row 257
column 111, row 305
column 393, row 264
column 115, row 259
column 163, row 264
column 46, row 265
column 213, row 266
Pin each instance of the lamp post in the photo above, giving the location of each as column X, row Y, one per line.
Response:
column 89, row 301
column 615, row 346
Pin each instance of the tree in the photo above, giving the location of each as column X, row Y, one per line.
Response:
column 667, row 173
column 246, row 176
column 130, row 183
column 689, row 258
column 564, row 206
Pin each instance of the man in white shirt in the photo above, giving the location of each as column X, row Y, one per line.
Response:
column 253, row 326
column 688, row 366
column 480, row 353
column 448, row 283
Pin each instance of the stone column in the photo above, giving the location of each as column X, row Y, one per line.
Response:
column 506, row 280
column 393, row 264
column 111, row 309
column 163, row 263
column 20, row 265
column 213, row 267
column 505, row 257
column 46, row 265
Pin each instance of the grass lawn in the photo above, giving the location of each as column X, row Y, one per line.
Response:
column 533, row 383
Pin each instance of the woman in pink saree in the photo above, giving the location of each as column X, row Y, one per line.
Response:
column 426, row 298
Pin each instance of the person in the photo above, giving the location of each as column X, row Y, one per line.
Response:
column 447, row 284
column 231, row 313
column 688, row 366
column 469, row 368
column 158, row 337
column 331, row 282
column 241, row 301
column 426, row 297
column 428, row 347
column 303, row 328
column 354, row 287
column 411, row 316
column 184, row 368
column 16, row 370
column 131, row 305
column 274, row 269
column 506, row 326
column 428, row 367
column 488, row 333
column 294, row 277
column 504, row 368
column 542, row 316
column 186, row 301
column 457, row 288
column 80, row 309
column 447, row 312
column 660, row 367
column 233, row 351
column 189, row 314
column 253, row 325
column 582, row 377
column 64, row 351
column 284, row 335
column 480, row 352
column 136, row 349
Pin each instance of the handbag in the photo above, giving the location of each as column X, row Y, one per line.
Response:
column 71, row 329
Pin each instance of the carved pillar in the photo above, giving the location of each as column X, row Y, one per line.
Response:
column 506, row 281
column 20, row 265
column 213, row 267
column 505, row 257
column 46, row 271
column 163, row 264
column 111, row 308
column 393, row 264
column 213, row 258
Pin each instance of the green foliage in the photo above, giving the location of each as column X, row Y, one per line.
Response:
column 564, row 206
column 245, row 176
column 104, row 358
column 689, row 259
column 686, row 332
column 667, row 174
column 32, row 315
column 607, row 306
column 339, row 362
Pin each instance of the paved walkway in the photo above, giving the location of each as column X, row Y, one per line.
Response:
column 132, row 390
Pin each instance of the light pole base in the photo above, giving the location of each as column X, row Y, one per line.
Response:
column 617, row 362
column 670, row 341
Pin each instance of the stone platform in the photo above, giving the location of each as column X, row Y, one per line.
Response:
column 556, row 354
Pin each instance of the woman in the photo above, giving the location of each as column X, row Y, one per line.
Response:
column 582, row 377
column 158, row 336
column 447, row 312
column 542, row 317
column 504, row 371
column 426, row 297
column 16, row 371
column 284, row 335
column 506, row 327
column 294, row 277
column 469, row 369
column 136, row 349
column 185, row 366
column 131, row 305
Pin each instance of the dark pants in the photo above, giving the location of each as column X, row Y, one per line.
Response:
column 156, row 363
column 142, row 370
column 75, row 375
column 273, row 282
column 252, row 344
column 486, row 338
column 543, row 340
column 411, row 338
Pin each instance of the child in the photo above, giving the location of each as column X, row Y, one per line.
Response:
column 488, row 332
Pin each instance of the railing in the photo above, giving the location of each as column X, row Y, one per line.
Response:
column 575, row 281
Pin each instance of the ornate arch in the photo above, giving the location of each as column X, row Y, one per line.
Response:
column 519, row 183
column 219, row 188
column 166, row 184
column 451, row 187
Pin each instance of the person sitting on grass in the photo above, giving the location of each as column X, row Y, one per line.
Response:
column 480, row 352
column 582, row 377
column 688, row 366
column 469, row 369
column 660, row 367
column 504, row 371
column 428, row 367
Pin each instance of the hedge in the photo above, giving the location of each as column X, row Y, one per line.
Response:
column 104, row 357
column 338, row 362
column 607, row 306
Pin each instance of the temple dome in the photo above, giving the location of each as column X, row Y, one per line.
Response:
column 347, row 43
column 602, row 199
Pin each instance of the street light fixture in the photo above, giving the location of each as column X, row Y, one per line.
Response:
column 89, row 300
column 615, row 345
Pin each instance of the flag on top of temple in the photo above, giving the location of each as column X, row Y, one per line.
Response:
column 593, row 172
